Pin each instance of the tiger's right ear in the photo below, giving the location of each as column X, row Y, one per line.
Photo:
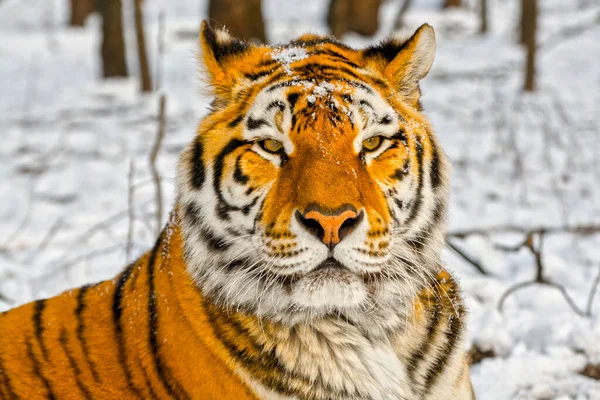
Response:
column 219, row 54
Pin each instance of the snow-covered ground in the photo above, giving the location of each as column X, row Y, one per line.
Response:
column 520, row 161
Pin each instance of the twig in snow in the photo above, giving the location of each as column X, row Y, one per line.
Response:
column 466, row 257
column 130, row 211
column 153, row 155
column 590, row 302
column 25, row 220
column 568, row 33
column 54, row 229
column 583, row 230
column 5, row 299
column 539, row 274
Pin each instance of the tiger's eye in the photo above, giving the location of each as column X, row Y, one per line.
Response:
column 372, row 143
column 271, row 145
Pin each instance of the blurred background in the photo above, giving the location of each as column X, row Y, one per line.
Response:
column 98, row 97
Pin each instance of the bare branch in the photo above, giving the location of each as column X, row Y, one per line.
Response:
column 569, row 32
column 511, row 290
column 539, row 275
column 153, row 155
column 25, row 221
column 54, row 229
column 590, row 302
column 584, row 230
column 466, row 257
column 5, row 299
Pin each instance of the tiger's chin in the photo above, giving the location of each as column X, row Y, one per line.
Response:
column 330, row 286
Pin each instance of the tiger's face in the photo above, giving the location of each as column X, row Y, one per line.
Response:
column 315, row 186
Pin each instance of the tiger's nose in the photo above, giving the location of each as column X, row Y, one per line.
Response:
column 329, row 228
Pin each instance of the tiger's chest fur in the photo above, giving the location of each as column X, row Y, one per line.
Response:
column 334, row 360
column 364, row 371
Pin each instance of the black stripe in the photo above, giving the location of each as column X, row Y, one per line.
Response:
column 117, row 311
column 386, row 120
column 147, row 379
column 238, row 175
column 163, row 371
column 336, row 57
column 387, row 49
column 198, row 172
column 434, row 170
column 399, row 203
column 39, row 327
column 232, row 124
column 401, row 136
column 399, row 174
column 212, row 241
column 6, row 381
column 223, row 208
column 276, row 77
column 357, row 84
column 276, row 104
column 317, row 41
column 257, row 75
column 37, row 370
column 416, row 204
column 265, row 361
column 63, row 342
column 267, row 62
column 253, row 124
column 417, row 356
column 292, row 98
column 80, row 325
column 445, row 352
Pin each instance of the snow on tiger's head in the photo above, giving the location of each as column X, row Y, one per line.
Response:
column 315, row 185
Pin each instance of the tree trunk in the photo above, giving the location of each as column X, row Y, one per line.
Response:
column 529, row 29
column 80, row 10
column 145, row 79
column 360, row 16
column 483, row 10
column 113, row 45
column 452, row 3
column 243, row 18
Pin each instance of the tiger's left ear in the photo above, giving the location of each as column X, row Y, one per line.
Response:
column 405, row 62
column 219, row 53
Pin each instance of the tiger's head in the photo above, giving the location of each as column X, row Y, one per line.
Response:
column 314, row 186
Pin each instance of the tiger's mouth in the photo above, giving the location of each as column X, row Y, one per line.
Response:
column 329, row 285
column 330, row 263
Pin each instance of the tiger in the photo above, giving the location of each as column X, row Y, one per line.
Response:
column 301, row 259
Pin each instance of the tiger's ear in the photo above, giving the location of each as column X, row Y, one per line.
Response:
column 218, row 53
column 404, row 62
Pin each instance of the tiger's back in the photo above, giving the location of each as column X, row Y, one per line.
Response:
column 130, row 337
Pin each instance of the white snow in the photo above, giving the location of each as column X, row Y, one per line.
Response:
column 289, row 55
column 520, row 161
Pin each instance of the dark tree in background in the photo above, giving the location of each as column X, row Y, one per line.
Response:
column 243, row 18
column 483, row 13
column 452, row 3
column 528, row 34
column 80, row 10
column 360, row 16
column 113, row 45
column 145, row 79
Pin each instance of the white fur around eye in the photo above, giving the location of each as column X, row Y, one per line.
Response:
column 273, row 157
